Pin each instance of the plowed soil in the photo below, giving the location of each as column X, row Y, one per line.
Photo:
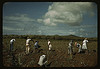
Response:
column 58, row 57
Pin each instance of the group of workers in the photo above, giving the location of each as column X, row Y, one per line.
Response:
column 43, row 57
column 81, row 48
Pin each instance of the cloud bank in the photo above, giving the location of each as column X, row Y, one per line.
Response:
column 70, row 13
column 19, row 24
column 62, row 18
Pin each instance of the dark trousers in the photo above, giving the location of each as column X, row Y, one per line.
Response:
column 36, row 46
column 11, row 47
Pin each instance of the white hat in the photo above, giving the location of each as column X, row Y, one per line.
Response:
column 43, row 55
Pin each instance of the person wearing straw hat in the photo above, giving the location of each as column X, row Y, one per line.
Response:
column 49, row 45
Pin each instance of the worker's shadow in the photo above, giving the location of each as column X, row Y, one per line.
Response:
column 48, row 65
column 53, row 50
column 39, row 46
column 82, row 52
column 40, row 50
column 74, row 53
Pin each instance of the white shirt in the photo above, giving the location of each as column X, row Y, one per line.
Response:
column 70, row 44
column 84, row 42
column 27, row 41
column 48, row 42
column 41, row 60
column 12, row 40
column 50, row 45
column 36, row 43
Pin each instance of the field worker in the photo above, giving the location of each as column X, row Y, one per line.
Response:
column 49, row 43
column 70, row 48
column 84, row 47
column 36, row 44
column 28, row 45
column 42, row 60
column 50, row 46
column 11, row 44
column 78, row 46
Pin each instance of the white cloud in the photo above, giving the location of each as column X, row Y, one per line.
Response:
column 40, row 32
column 82, row 29
column 16, row 21
column 39, row 20
column 19, row 23
column 22, row 17
column 71, row 32
column 70, row 13
column 48, row 21
column 12, row 29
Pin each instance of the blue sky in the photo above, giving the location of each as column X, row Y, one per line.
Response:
column 50, row 18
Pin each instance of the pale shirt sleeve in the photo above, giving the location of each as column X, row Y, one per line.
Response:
column 69, row 44
column 50, row 45
column 48, row 42
column 27, row 41
column 36, row 43
column 84, row 41
column 11, row 41
column 45, row 62
column 87, row 40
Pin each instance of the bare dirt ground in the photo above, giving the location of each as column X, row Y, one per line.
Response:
column 58, row 57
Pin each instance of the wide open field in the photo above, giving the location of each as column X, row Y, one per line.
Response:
column 56, row 58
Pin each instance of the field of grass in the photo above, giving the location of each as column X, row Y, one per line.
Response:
column 58, row 57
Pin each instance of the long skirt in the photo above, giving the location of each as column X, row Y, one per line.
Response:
column 84, row 47
column 70, row 50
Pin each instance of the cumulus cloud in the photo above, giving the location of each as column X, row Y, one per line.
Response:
column 70, row 13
